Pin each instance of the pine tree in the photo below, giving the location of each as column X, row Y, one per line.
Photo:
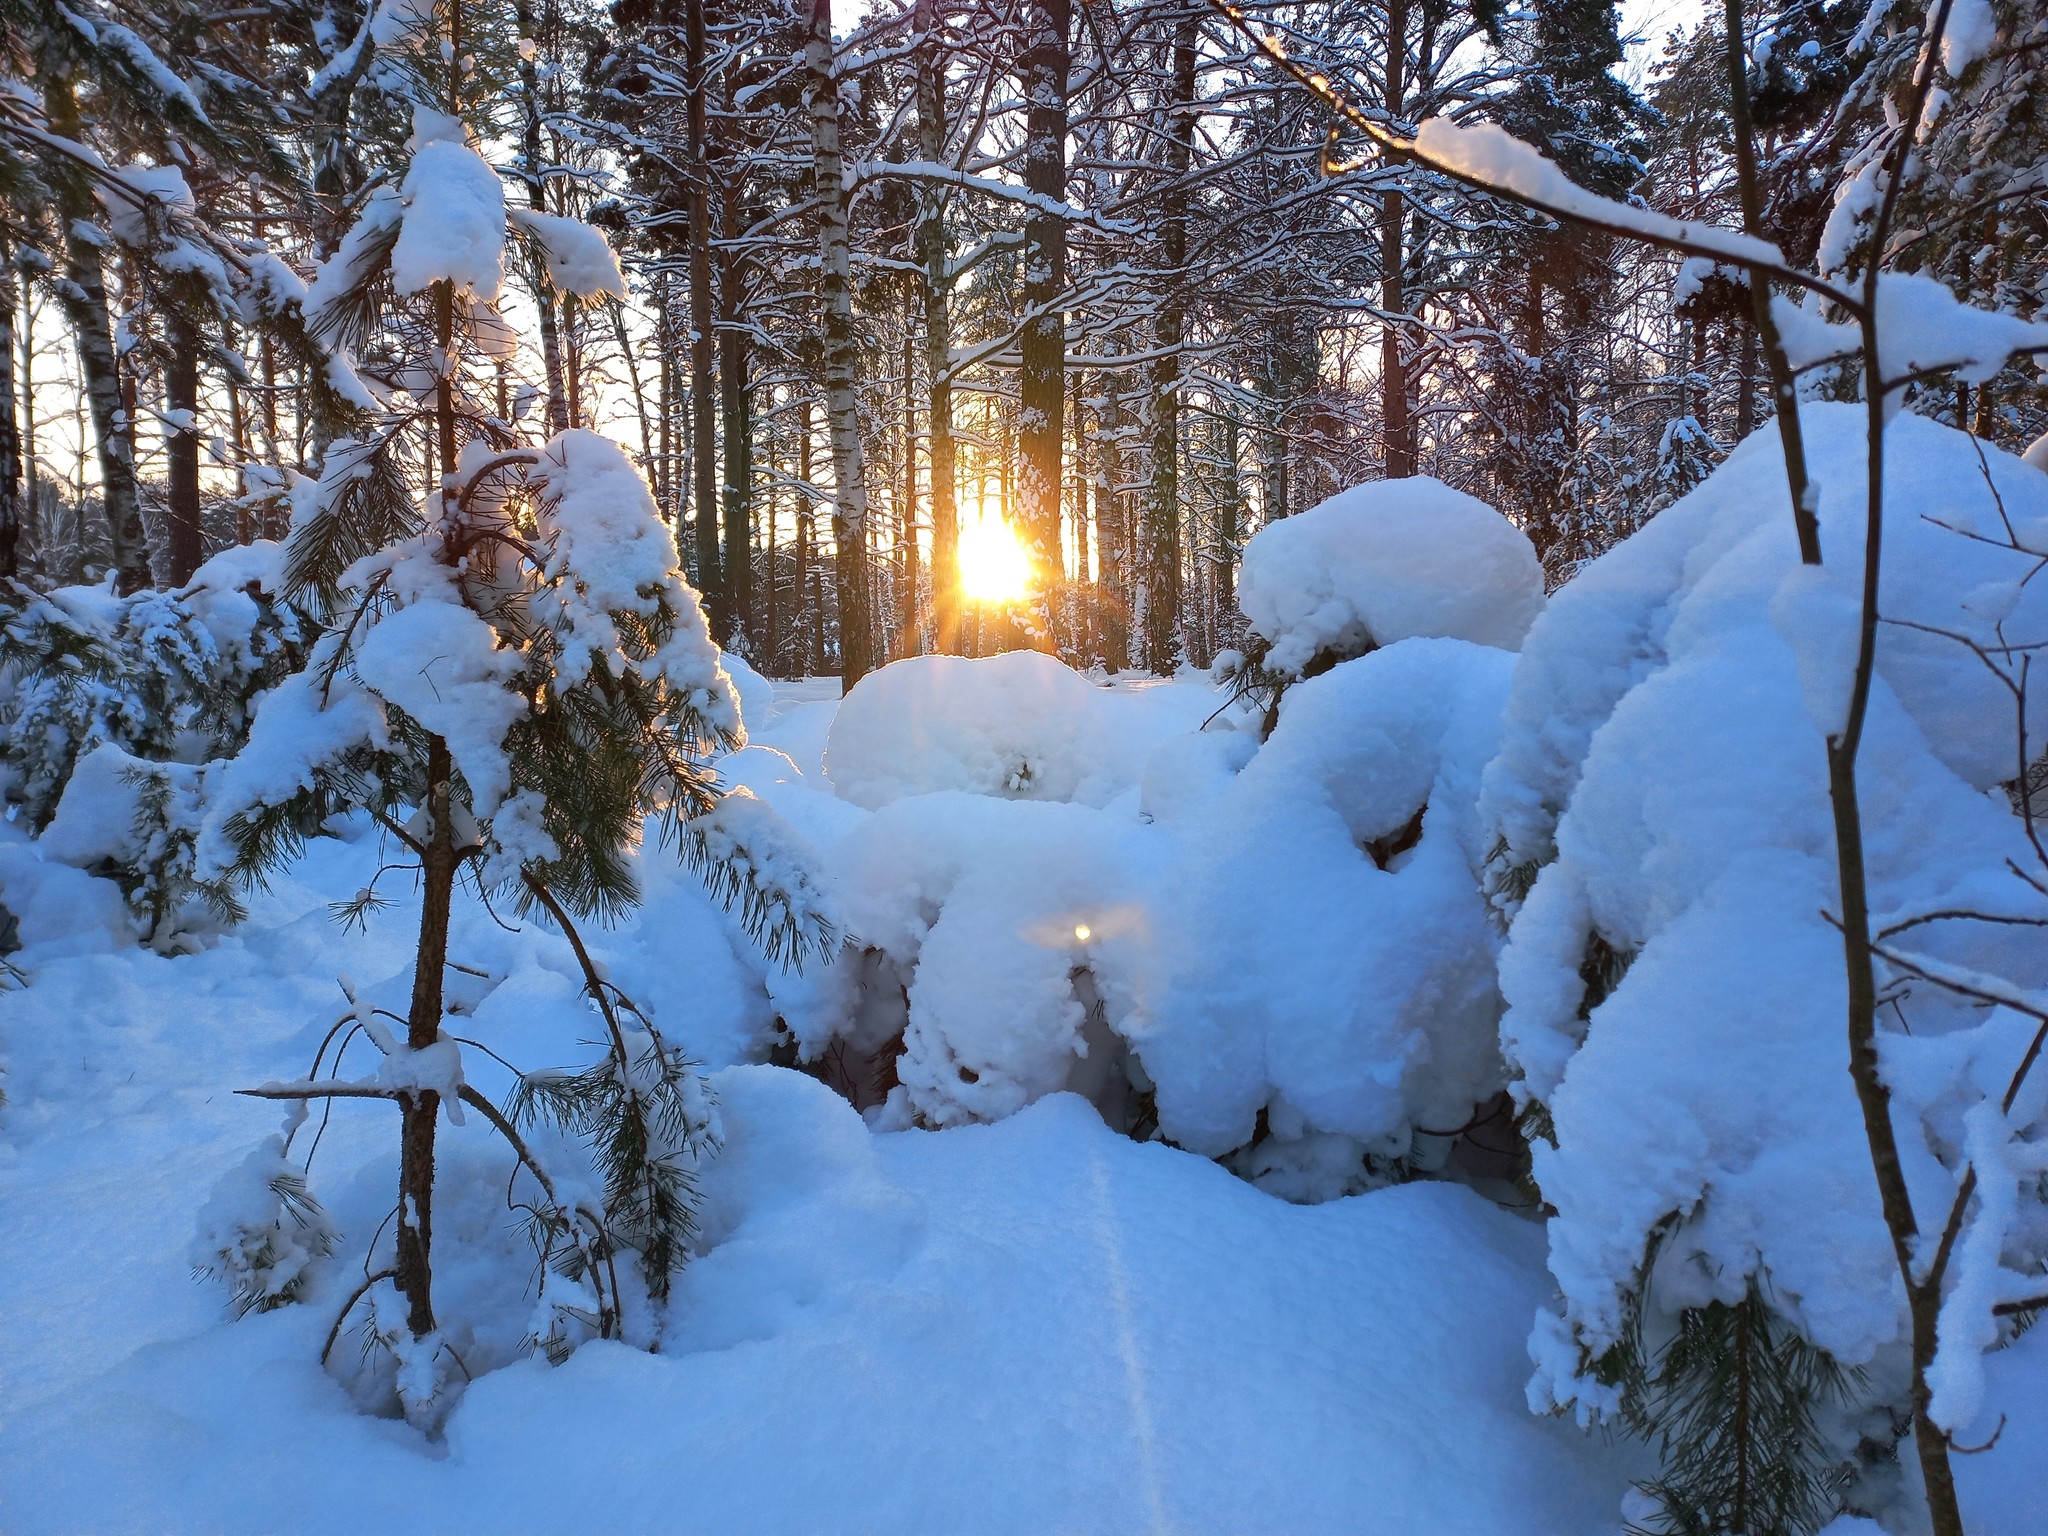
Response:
column 514, row 678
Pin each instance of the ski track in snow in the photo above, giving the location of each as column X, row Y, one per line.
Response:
column 1127, row 1342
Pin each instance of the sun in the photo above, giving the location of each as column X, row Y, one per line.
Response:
column 994, row 565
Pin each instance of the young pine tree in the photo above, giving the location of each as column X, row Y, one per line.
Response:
column 515, row 676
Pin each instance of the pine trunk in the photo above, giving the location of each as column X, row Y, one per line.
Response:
column 1161, row 556
column 10, row 427
column 835, row 284
column 1396, row 387
column 1042, row 344
column 83, row 292
column 536, row 199
column 737, row 420
column 703, row 401
column 186, row 538
column 935, row 294
column 417, row 1112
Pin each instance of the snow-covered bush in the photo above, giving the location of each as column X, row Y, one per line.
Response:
column 261, row 1234
column 1021, row 725
column 1323, row 967
column 110, row 707
column 1662, row 842
column 164, row 676
column 1385, row 561
column 1289, row 966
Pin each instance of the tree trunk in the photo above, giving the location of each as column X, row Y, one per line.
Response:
column 10, row 426
column 1042, row 344
column 1396, row 387
column 665, row 467
column 935, row 293
column 703, row 402
column 1113, row 535
column 736, row 411
column 1161, row 556
column 532, row 161
column 835, row 293
column 181, row 453
column 83, row 293
column 415, row 1259
column 31, row 489
column 910, row 621
column 438, row 863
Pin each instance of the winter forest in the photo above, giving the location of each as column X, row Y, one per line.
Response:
column 933, row 766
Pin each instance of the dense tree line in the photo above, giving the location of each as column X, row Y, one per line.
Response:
column 1091, row 265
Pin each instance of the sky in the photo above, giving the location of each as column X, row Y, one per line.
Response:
column 1647, row 22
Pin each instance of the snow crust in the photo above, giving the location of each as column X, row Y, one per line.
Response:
column 1385, row 561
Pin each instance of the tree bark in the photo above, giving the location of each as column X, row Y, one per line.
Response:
column 1396, row 388
column 910, row 621
column 186, row 538
column 703, row 402
column 531, row 168
column 417, row 1112
column 10, row 426
column 935, row 293
column 1161, row 557
column 835, row 294
column 737, row 419
column 1042, row 344
column 83, row 293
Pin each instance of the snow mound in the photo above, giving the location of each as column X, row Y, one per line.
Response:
column 1021, row 726
column 1675, row 990
column 1293, row 950
column 1321, row 948
column 1384, row 562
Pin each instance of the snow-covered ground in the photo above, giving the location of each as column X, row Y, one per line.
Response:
column 1140, row 1178
column 1037, row 1325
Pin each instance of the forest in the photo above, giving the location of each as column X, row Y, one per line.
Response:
column 1087, row 765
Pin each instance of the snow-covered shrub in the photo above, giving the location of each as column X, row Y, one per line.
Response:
column 1322, row 965
column 137, row 823
column 111, row 706
column 1662, row 842
column 1290, row 966
column 1385, row 561
column 990, row 919
column 261, row 1233
column 164, row 676
column 1021, row 725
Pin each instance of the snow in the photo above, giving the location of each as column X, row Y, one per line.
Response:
column 128, row 216
column 1032, row 1326
column 1923, row 328
column 606, row 555
column 1972, row 29
column 1660, row 775
column 1385, row 561
column 1489, row 155
column 1144, row 1201
column 1019, row 725
column 439, row 662
column 578, row 258
column 453, row 228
